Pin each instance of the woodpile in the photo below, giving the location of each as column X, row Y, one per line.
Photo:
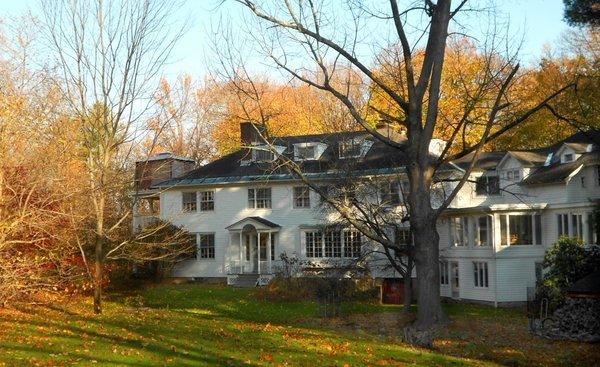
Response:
column 578, row 320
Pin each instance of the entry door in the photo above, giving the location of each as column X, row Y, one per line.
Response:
column 454, row 280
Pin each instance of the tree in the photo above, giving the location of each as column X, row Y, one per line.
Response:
column 328, row 42
column 108, row 53
column 582, row 12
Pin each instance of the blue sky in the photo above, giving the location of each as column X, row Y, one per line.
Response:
column 539, row 20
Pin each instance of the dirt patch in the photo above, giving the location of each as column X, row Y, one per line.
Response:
column 383, row 324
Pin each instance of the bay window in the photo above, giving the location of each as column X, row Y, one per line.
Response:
column 333, row 243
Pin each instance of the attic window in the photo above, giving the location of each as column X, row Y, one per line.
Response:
column 306, row 152
column 350, row 149
column 567, row 157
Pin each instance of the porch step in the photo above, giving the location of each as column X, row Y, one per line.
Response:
column 244, row 280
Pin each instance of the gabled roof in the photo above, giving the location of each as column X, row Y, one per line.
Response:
column 249, row 220
column 530, row 158
column 559, row 172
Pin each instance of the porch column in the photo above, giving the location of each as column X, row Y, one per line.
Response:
column 269, row 255
column 227, row 254
column 241, row 252
column 258, row 248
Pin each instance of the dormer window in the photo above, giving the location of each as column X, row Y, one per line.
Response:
column 262, row 154
column 350, row 149
column 568, row 157
column 306, row 152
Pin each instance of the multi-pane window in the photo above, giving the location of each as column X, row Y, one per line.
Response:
column 188, row 201
column 480, row 273
column 520, row 229
column 598, row 175
column 487, row 185
column 206, row 245
column 389, row 193
column 207, row 201
column 350, row 149
column 326, row 191
column 259, row 198
column 444, row 279
column 484, row 230
column 314, row 244
column 306, row 152
column 262, row 155
column 333, row 243
column 352, row 243
column 301, row 197
column 403, row 235
column 460, row 231
column 513, row 175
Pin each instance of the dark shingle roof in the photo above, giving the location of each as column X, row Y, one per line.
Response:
column 558, row 172
column 380, row 158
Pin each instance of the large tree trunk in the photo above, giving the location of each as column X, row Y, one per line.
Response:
column 430, row 312
column 408, row 289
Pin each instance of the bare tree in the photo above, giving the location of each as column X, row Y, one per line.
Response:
column 110, row 55
column 295, row 32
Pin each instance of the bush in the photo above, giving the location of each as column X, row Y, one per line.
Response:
column 567, row 261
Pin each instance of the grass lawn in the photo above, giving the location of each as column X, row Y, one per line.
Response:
column 192, row 325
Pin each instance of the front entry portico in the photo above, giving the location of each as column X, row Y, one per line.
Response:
column 252, row 243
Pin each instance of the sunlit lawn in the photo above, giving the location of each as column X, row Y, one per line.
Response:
column 191, row 325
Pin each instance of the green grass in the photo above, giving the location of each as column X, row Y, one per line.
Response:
column 191, row 325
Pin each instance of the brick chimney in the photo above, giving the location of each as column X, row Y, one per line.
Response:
column 249, row 133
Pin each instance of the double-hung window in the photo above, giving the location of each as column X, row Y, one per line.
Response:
column 389, row 193
column 460, row 231
column 206, row 245
column 488, row 185
column 333, row 243
column 301, row 197
column 520, row 229
column 563, row 225
column 480, row 274
column 484, row 231
column 402, row 235
column 259, row 198
column 188, row 201
column 207, row 200
column 352, row 243
column 577, row 225
column 444, row 279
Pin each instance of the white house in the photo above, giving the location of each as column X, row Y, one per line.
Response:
column 245, row 211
